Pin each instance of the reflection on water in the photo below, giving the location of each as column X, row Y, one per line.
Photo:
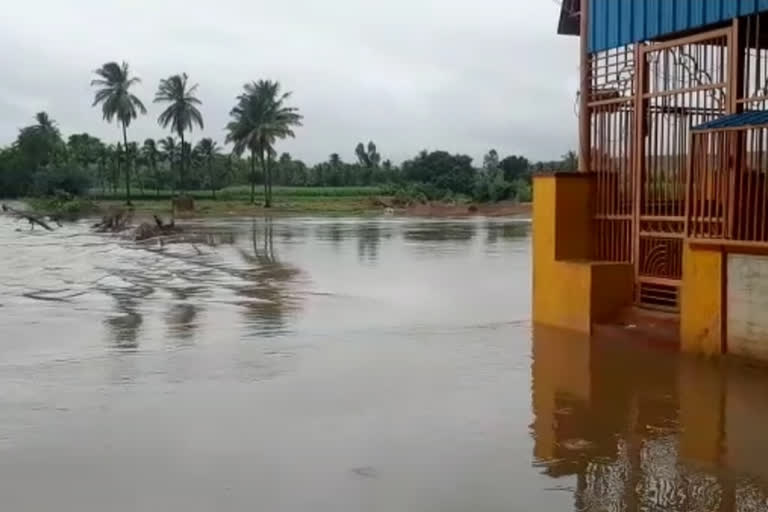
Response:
column 182, row 320
column 496, row 231
column 268, row 294
column 125, row 322
column 426, row 232
column 644, row 430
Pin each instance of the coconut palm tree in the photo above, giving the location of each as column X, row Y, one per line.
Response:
column 134, row 155
column 117, row 102
column 208, row 150
column 170, row 152
column 182, row 112
column 47, row 126
column 41, row 142
column 259, row 119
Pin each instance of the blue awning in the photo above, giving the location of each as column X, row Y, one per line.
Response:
column 743, row 119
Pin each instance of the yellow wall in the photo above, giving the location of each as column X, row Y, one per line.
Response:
column 560, row 291
column 569, row 290
column 701, row 301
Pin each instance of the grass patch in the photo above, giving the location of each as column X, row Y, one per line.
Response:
column 63, row 207
column 243, row 192
column 232, row 207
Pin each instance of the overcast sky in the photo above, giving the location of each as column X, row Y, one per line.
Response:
column 460, row 75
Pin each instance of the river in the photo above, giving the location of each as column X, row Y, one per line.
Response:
column 333, row 364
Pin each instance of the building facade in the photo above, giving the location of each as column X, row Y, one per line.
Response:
column 669, row 211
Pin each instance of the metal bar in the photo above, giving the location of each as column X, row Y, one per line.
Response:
column 690, row 200
column 641, row 85
column 735, row 245
column 662, row 234
column 584, row 130
column 663, row 218
column 613, row 101
column 659, row 280
column 706, row 87
column 763, row 176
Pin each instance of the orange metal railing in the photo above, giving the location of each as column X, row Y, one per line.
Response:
column 727, row 189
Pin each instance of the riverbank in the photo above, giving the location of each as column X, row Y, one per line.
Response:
column 325, row 206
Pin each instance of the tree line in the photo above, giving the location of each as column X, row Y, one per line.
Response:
column 42, row 162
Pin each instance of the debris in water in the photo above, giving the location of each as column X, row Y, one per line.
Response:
column 118, row 221
column 576, row 445
column 145, row 231
column 114, row 221
column 32, row 219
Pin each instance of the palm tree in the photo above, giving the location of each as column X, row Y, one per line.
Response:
column 182, row 113
column 117, row 101
column 208, row 149
column 47, row 126
column 259, row 119
column 151, row 156
column 42, row 141
column 170, row 152
column 134, row 155
column 115, row 156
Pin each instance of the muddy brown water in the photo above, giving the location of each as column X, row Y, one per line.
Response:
column 336, row 365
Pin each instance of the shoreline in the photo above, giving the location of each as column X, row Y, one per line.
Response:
column 324, row 206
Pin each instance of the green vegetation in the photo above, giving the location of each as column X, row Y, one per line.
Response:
column 242, row 193
column 118, row 102
column 181, row 114
column 258, row 120
column 41, row 163
column 63, row 206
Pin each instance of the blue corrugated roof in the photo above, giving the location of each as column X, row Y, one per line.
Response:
column 615, row 23
column 743, row 119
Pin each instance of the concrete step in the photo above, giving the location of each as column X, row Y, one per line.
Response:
column 638, row 325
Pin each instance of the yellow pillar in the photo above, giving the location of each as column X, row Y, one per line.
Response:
column 570, row 290
column 701, row 301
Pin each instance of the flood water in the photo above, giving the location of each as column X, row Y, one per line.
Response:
column 329, row 364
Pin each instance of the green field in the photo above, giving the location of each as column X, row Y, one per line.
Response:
column 236, row 200
column 243, row 192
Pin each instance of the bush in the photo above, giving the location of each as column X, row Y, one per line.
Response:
column 522, row 190
column 490, row 188
column 420, row 193
column 63, row 205
column 68, row 179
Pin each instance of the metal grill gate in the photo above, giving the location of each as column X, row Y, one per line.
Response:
column 683, row 83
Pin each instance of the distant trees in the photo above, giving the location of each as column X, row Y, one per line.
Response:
column 570, row 161
column 442, row 170
column 83, row 149
column 117, row 102
column 171, row 153
column 259, row 119
column 207, row 150
column 151, row 156
column 367, row 157
column 515, row 167
column 40, row 161
column 40, row 144
column 181, row 114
